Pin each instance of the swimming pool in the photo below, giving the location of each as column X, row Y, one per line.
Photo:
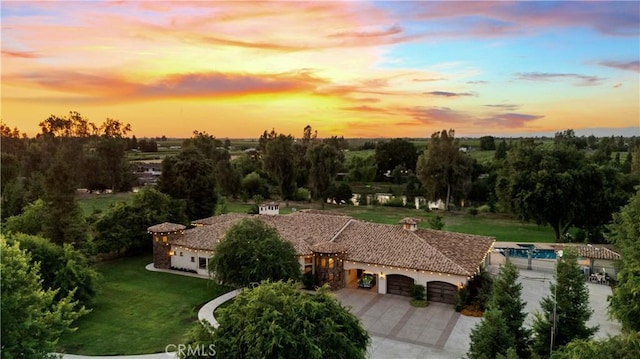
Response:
column 524, row 252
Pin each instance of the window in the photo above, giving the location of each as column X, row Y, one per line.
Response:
column 308, row 260
column 331, row 262
column 202, row 262
column 164, row 238
column 193, row 260
column 180, row 254
column 323, row 263
column 308, row 269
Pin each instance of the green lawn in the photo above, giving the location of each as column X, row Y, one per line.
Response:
column 138, row 311
column 101, row 202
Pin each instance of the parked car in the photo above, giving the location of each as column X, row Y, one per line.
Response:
column 367, row 280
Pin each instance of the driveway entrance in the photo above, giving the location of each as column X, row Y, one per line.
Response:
column 392, row 317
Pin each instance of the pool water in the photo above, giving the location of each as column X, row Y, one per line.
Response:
column 524, row 252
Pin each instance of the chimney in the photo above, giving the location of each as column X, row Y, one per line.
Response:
column 409, row 224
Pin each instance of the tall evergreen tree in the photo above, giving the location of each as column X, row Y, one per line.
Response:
column 568, row 307
column 491, row 337
column 506, row 296
column 63, row 220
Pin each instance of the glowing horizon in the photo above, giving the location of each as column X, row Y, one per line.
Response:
column 355, row 69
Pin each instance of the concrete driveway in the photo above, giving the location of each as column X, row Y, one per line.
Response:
column 399, row 330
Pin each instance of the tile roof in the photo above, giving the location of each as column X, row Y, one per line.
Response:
column 373, row 243
column 329, row 247
column 166, row 227
column 391, row 245
column 590, row 251
column 409, row 220
column 456, row 246
column 219, row 219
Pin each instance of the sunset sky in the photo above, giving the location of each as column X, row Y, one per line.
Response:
column 357, row 69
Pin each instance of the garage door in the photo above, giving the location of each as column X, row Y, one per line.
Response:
column 441, row 292
column 399, row 284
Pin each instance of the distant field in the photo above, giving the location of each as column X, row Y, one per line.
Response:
column 138, row 311
column 91, row 203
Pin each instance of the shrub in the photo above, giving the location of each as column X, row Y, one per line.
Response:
column 485, row 208
column 309, row 280
column 394, row 202
column 419, row 303
column 472, row 311
column 473, row 211
column 302, row 194
column 436, row 222
column 418, row 292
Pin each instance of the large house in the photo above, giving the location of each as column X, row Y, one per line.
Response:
column 339, row 249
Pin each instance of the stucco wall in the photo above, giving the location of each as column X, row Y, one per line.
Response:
column 184, row 261
column 420, row 277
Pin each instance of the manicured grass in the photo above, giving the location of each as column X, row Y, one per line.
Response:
column 138, row 311
column 101, row 202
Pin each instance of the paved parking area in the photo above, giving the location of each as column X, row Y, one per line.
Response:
column 399, row 330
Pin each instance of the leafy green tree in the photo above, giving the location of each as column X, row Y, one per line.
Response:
column 557, row 186
column 208, row 145
column 279, row 163
column 190, row 176
column 624, row 304
column 252, row 185
column 487, row 143
column 251, row 252
column 361, row 169
column 619, row 346
column 490, row 337
column 247, row 163
column 32, row 320
column 276, row 320
column 64, row 269
column 569, row 301
column 29, row 222
column 341, row 193
column 397, row 152
column 325, row 162
column 228, row 178
column 501, row 151
column 13, row 198
column 506, row 296
column 123, row 228
column 443, row 169
column 10, row 169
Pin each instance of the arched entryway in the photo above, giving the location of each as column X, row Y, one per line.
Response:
column 441, row 292
column 399, row 284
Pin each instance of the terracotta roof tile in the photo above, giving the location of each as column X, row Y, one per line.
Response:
column 328, row 247
column 391, row 245
column 219, row 219
column 591, row 251
column 166, row 227
column 467, row 250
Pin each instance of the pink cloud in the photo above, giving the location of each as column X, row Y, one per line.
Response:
column 509, row 120
column 628, row 66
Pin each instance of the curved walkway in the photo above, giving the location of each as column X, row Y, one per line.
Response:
column 206, row 312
